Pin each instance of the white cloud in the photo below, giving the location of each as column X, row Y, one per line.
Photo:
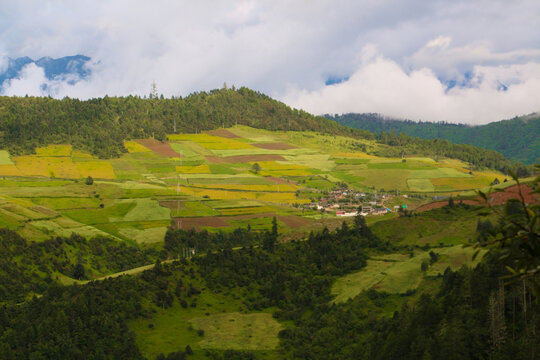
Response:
column 450, row 62
column 383, row 86
column 269, row 45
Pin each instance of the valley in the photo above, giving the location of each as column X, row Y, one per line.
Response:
column 230, row 243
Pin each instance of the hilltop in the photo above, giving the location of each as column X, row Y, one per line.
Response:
column 517, row 139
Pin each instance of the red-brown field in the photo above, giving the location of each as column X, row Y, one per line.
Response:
column 497, row 198
column 244, row 158
column 293, row 221
column 199, row 222
column 275, row 146
column 160, row 148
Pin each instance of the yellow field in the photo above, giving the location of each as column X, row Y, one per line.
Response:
column 211, row 142
column 54, row 150
column 199, row 169
column 32, row 165
column 9, row 170
column 270, row 187
column 135, row 147
column 62, row 167
column 96, row 169
column 80, row 154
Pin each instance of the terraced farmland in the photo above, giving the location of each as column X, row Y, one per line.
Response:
column 182, row 182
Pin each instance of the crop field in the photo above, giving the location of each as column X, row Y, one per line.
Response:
column 67, row 203
column 246, row 210
column 9, row 170
column 143, row 210
column 135, row 147
column 189, row 208
column 54, row 150
column 420, row 185
column 461, row 184
column 280, row 197
column 216, row 178
column 262, row 188
column 211, row 142
column 199, row 169
column 149, row 235
column 96, row 169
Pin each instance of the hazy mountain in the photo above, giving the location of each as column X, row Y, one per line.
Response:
column 53, row 68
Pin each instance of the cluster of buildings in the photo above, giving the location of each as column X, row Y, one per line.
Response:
column 346, row 202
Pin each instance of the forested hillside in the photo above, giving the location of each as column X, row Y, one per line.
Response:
column 101, row 125
column 517, row 139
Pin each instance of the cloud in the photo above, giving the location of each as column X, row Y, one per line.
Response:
column 381, row 85
column 449, row 62
column 271, row 46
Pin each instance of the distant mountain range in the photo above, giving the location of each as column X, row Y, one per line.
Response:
column 517, row 138
column 53, row 68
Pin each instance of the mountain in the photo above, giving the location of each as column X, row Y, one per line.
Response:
column 100, row 126
column 517, row 139
column 235, row 243
column 53, row 68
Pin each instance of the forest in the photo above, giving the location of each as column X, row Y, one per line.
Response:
column 471, row 314
column 517, row 139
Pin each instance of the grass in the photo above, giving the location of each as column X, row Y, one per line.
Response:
column 172, row 329
column 238, row 331
column 427, row 230
column 191, row 209
column 150, row 235
column 398, row 273
column 420, row 185
column 144, row 210
column 5, row 159
column 316, row 161
column 67, row 203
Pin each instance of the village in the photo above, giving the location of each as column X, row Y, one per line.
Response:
column 345, row 202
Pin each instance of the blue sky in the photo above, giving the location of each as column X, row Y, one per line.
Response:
column 396, row 58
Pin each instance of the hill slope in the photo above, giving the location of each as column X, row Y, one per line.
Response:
column 100, row 126
column 517, row 139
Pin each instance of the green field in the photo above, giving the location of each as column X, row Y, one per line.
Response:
column 238, row 331
column 399, row 273
column 140, row 180
column 5, row 159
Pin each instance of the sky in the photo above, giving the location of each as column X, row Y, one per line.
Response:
column 457, row 61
